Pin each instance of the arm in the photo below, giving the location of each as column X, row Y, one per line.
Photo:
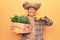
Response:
column 47, row 21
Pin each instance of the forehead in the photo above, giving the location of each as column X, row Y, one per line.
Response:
column 32, row 8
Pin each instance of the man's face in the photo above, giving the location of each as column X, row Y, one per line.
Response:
column 31, row 11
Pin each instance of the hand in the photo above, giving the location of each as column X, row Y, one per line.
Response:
column 28, row 26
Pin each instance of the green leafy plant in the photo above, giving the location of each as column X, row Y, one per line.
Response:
column 20, row 19
column 15, row 19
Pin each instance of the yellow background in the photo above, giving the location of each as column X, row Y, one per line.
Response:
column 8, row 8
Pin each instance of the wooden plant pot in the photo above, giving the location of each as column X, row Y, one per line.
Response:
column 21, row 28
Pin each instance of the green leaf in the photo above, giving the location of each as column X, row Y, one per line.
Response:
column 21, row 19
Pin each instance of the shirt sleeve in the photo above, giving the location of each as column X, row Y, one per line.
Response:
column 47, row 22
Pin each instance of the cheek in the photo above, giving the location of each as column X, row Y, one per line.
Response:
column 32, row 14
column 31, row 11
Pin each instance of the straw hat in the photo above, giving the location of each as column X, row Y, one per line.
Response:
column 27, row 5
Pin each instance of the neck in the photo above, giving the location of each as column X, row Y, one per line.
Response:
column 31, row 16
